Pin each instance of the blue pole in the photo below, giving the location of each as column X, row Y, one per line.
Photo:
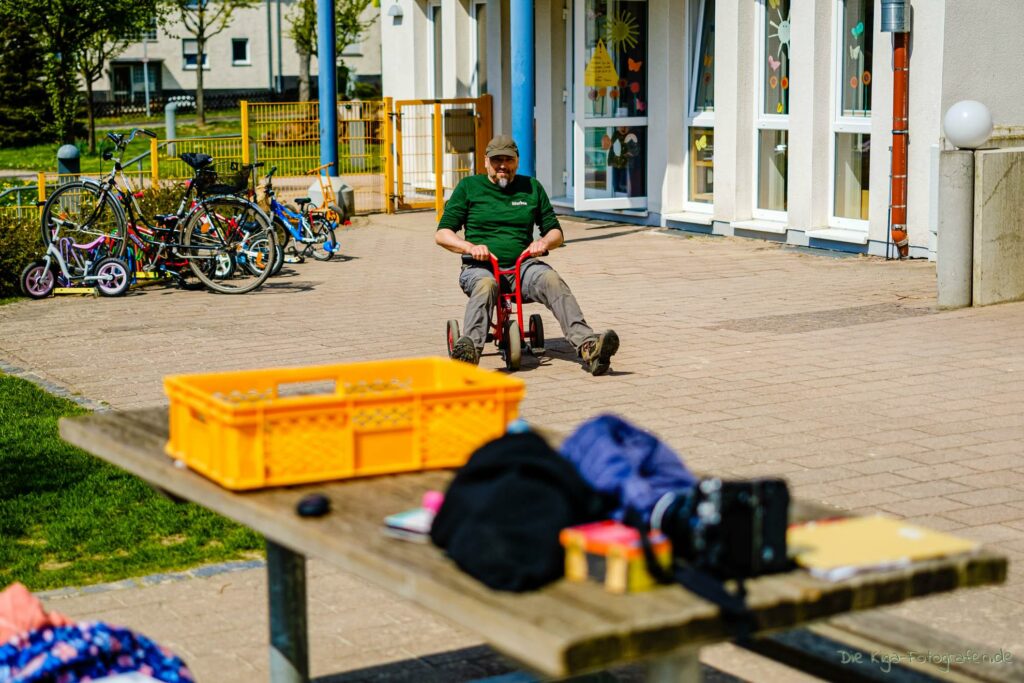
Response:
column 328, row 85
column 521, row 37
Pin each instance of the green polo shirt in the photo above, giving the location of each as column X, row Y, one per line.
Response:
column 501, row 219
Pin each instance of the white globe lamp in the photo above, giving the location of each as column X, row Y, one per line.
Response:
column 968, row 124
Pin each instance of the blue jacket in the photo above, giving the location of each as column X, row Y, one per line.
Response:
column 626, row 464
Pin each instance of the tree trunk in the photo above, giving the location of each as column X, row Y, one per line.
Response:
column 62, row 89
column 200, row 112
column 303, row 77
column 89, row 111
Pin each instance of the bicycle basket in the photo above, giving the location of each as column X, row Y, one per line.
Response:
column 222, row 178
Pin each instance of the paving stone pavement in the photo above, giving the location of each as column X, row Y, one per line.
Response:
column 750, row 358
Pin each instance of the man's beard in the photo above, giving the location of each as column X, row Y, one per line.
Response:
column 503, row 182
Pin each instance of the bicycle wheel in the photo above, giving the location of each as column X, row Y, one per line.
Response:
column 326, row 244
column 80, row 211
column 115, row 277
column 232, row 227
column 282, row 235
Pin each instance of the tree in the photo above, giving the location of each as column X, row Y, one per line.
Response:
column 203, row 19
column 23, row 108
column 61, row 27
column 98, row 49
column 348, row 26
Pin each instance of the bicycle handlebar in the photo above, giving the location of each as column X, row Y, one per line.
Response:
column 467, row 258
column 122, row 141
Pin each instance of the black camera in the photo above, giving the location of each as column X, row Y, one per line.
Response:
column 729, row 529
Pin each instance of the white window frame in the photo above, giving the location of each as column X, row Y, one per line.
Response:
column 474, row 14
column 763, row 121
column 693, row 118
column 581, row 122
column 433, row 12
column 192, row 67
column 248, row 54
column 842, row 124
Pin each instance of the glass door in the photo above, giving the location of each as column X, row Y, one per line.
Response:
column 610, row 113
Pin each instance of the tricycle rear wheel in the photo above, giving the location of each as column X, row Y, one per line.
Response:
column 453, row 335
column 536, row 334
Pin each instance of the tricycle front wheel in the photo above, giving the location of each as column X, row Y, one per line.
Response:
column 514, row 346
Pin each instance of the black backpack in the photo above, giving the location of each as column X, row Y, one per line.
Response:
column 504, row 509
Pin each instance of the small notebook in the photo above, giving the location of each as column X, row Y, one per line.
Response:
column 836, row 549
column 411, row 525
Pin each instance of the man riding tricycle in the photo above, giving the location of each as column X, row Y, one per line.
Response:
column 498, row 212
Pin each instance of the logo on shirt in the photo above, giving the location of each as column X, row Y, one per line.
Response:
column 519, row 203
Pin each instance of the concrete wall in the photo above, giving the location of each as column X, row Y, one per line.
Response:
column 980, row 58
column 998, row 272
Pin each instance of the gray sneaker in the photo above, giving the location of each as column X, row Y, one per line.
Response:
column 598, row 351
column 465, row 350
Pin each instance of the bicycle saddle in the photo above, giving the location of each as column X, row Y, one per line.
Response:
column 197, row 160
column 302, row 201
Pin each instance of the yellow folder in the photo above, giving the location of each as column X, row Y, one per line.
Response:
column 836, row 549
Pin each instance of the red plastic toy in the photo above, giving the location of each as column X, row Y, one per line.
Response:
column 507, row 327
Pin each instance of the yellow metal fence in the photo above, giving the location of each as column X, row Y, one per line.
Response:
column 287, row 135
column 408, row 154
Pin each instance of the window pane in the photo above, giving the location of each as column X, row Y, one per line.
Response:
column 853, row 160
column 704, row 97
column 615, row 162
column 240, row 50
column 776, row 57
column 615, row 49
column 772, row 161
column 481, row 49
column 858, row 40
column 702, row 165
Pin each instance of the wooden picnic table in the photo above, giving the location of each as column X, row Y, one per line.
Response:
column 565, row 629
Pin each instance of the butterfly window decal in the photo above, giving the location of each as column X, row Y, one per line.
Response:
column 701, row 143
column 633, row 65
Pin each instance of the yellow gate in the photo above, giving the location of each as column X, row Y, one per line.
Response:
column 437, row 143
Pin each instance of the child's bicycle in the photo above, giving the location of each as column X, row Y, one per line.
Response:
column 305, row 228
column 67, row 264
column 506, row 331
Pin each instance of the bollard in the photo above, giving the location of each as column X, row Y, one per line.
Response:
column 954, row 249
column 68, row 163
column 169, row 120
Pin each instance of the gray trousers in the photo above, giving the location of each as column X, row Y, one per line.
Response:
column 540, row 283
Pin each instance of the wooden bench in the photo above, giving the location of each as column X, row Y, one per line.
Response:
column 566, row 629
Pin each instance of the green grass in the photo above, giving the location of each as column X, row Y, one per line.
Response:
column 43, row 157
column 9, row 299
column 68, row 519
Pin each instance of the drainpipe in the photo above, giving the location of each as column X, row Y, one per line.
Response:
column 896, row 20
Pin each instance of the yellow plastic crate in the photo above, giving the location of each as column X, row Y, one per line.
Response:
column 274, row 427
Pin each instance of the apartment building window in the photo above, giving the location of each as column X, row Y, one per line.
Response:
column 479, row 85
column 772, row 120
column 240, row 52
column 190, row 53
column 700, row 120
column 436, row 54
column 851, row 125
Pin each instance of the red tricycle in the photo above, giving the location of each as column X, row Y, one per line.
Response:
column 506, row 331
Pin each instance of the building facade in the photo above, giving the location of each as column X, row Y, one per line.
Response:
column 253, row 53
column 761, row 118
